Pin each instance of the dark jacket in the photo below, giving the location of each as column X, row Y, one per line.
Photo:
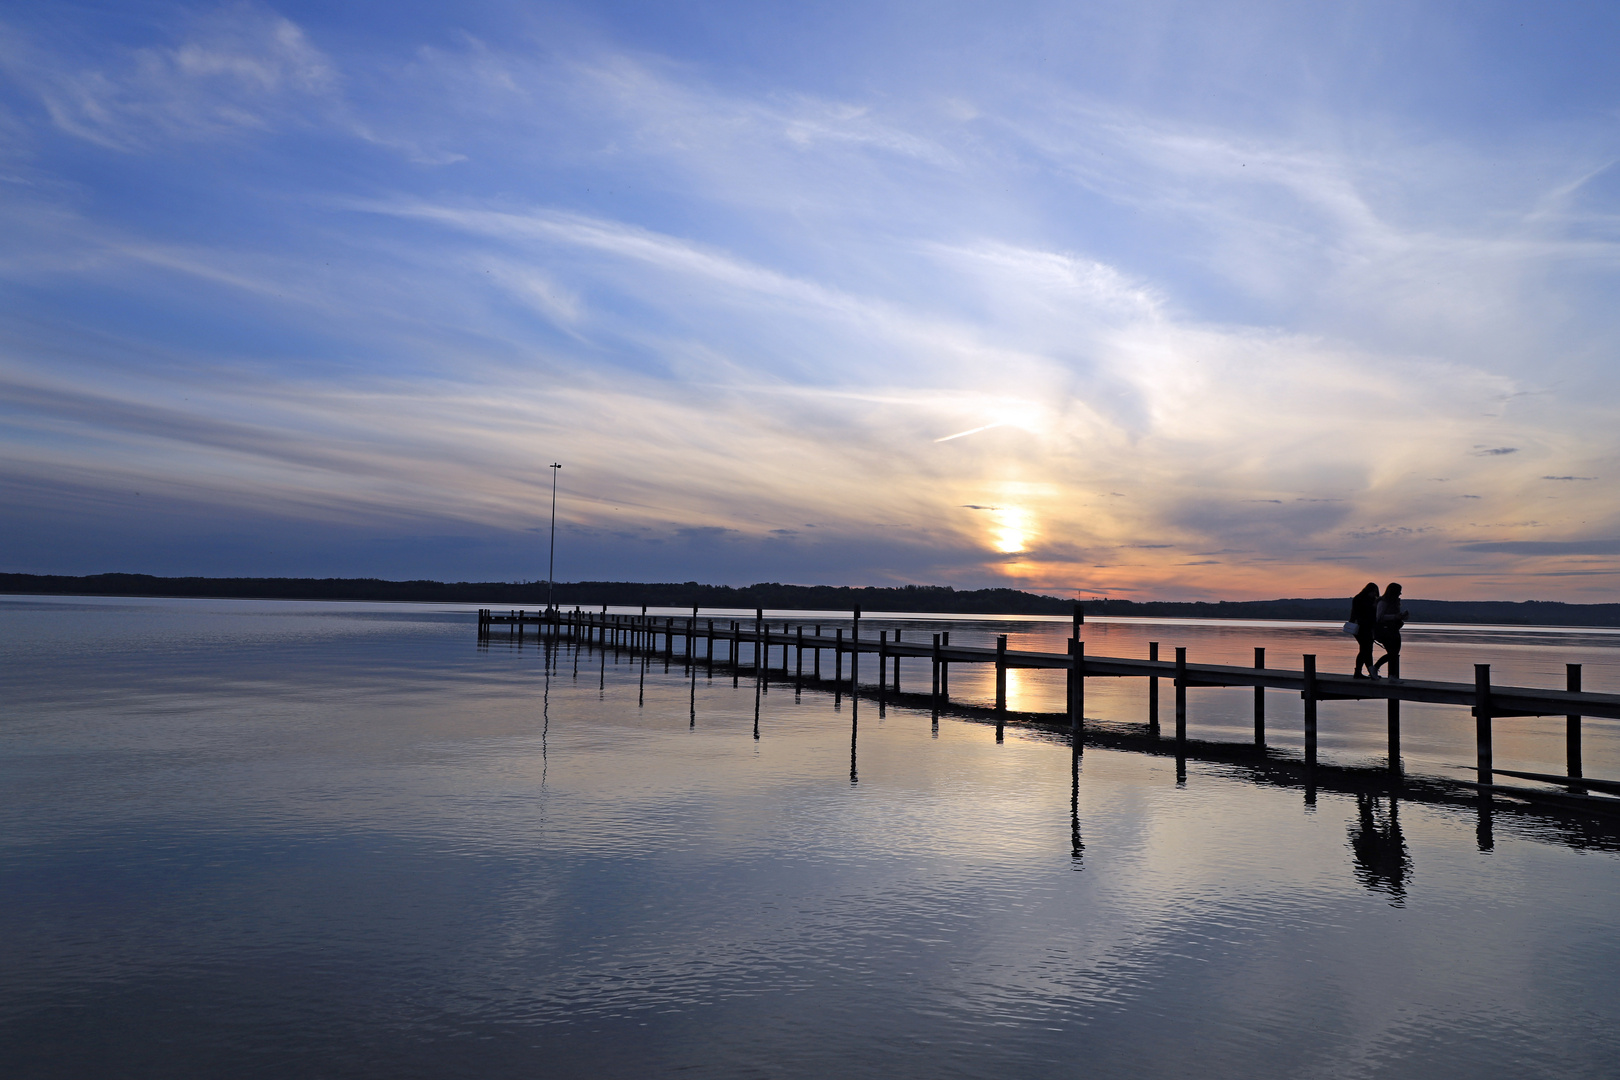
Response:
column 1364, row 613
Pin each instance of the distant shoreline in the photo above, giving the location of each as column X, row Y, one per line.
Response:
column 934, row 599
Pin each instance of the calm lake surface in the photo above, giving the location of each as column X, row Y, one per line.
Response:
column 265, row 838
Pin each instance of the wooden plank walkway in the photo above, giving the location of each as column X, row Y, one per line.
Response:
column 659, row 635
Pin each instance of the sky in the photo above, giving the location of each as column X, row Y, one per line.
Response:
column 1157, row 300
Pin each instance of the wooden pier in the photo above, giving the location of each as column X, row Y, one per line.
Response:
column 693, row 639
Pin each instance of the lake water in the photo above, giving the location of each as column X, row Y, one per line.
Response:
column 262, row 838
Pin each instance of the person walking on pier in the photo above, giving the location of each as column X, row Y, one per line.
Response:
column 1391, row 617
column 1364, row 614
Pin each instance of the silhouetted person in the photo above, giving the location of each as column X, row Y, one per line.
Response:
column 1391, row 617
column 1364, row 613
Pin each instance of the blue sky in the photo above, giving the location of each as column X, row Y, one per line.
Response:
column 1152, row 300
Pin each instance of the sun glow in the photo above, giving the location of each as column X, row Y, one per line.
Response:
column 1008, row 533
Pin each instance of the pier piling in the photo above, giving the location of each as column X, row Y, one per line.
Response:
column 1259, row 700
column 1153, row 692
column 935, row 696
column 1001, row 673
column 1181, row 694
column 1394, row 713
column 1572, row 723
column 838, row 659
column 1308, row 692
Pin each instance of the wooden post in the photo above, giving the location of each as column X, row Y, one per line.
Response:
column 1079, row 620
column 883, row 665
column 760, row 637
column 1077, row 688
column 818, row 654
column 1001, row 673
column 1309, row 694
column 945, row 668
column 709, row 644
column 1482, row 720
column 897, row 664
column 798, row 670
column 838, row 658
column 1181, row 694
column 1259, row 701
column 1153, row 693
column 934, row 698
column 669, row 638
column 1394, row 711
column 1572, row 724
column 855, row 654
column 759, row 616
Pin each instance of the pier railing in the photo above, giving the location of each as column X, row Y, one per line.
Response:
column 699, row 638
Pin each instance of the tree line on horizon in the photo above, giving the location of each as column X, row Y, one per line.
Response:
column 933, row 599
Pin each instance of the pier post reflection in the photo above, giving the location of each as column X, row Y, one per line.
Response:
column 1077, row 848
column 854, row 731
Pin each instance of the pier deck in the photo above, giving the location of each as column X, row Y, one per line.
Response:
column 698, row 638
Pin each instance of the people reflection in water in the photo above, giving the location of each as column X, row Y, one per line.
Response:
column 1364, row 616
column 1382, row 862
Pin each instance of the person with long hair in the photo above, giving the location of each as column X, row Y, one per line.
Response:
column 1391, row 617
column 1364, row 614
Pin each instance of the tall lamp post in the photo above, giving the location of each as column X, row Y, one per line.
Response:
column 551, row 568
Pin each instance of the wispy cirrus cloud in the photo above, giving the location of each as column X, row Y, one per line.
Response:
column 241, row 67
